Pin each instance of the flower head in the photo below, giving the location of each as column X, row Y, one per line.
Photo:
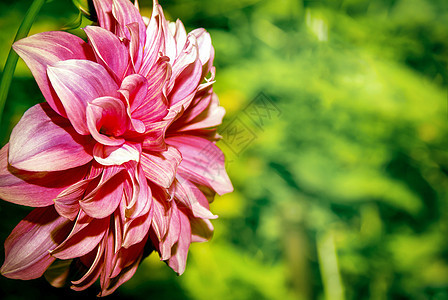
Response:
column 122, row 155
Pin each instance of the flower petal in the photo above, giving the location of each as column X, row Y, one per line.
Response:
column 27, row 247
column 172, row 236
column 187, row 71
column 35, row 189
column 84, row 237
column 92, row 274
column 178, row 259
column 162, row 216
column 103, row 10
column 206, row 50
column 42, row 50
column 45, row 141
column 155, row 136
column 109, row 50
column 104, row 202
column 126, row 13
column 136, row 229
column 116, row 155
column 188, row 194
column 78, row 82
column 160, row 167
column 107, row 120
column 154, row 106
column 202, row 162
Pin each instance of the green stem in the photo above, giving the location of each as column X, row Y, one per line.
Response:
column 12, row 59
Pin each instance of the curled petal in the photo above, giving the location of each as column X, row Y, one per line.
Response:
column 45, row 141
column 104, row 202
column 92, row 274
column 154, row 41
column 107, row 120
column 172, row 236
column 125, row 267
column 155, row 136
column 42, row 50
column 84, row 237
column 67, row 202
column 116, row 155
column 178, row 259
column 78, row 82
column 27, row 247
column 138, row 193
column 161, row 218
column 137, row 229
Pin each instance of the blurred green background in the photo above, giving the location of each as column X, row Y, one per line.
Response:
column 336, row 139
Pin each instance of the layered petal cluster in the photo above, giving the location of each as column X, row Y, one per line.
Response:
column 121, row 159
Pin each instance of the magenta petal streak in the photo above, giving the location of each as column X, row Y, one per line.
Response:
column 121, row 157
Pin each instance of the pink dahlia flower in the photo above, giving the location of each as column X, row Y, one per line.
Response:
column 122, row 155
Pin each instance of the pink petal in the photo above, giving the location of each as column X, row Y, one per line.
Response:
column 78, row 82
column 162, row 216
column 107, row 120
column 168, row 38
column 67, row 202
column 135, row 47
column 187, row 71
column 172, row 236
column 126, row 13
column 45, row 141
column 198, row 105
column 210, row 117
column 127, row 256
column 154, row 40
column 42, row 50
column 27, row 247
column 180, row 35
column 35, row 189
column 103, row 10
column 155, row 136
column 84, row 237
column 104, row 202
column 188, row 194
column 206, row 50
column 203, row 162
column 160, row 167
column 134, row 89
column 108, row 259
column 153, row 107
column 109, row 50
column 141, row 196
column 116, row 155
column 178, row 260
column 137, row 229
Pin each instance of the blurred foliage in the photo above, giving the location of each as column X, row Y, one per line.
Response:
column 343, row 195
